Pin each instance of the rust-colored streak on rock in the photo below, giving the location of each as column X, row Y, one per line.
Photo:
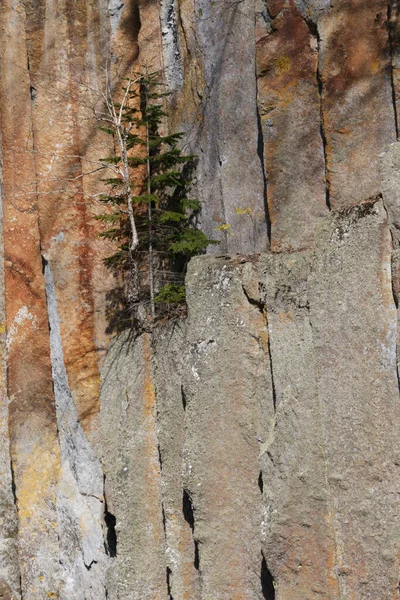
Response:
column 33, row 432
column 289, row 107
column 67, row 57
column 357, row 97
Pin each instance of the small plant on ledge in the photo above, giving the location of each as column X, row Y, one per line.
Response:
column 150, row 217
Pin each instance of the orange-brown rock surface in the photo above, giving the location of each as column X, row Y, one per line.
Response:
column 249, row 450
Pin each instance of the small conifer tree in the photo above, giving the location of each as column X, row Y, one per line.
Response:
column 155, row 226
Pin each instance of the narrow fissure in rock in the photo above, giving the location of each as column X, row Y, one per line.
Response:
column 267, row 581
column 261, row 156
column 188, row 513
column 263, row 310
column 187, row 510
column 392, row 44
column 274, row 400
column 168, row 577
column 261, row 482
column 183, row 395
column 111, row 535
column 320, row 84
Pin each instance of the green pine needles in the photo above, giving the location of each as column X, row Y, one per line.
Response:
column 152, row 219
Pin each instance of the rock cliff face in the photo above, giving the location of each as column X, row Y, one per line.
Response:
column 250, row 450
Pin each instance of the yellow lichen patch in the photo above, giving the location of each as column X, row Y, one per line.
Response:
column 223, row 227
column 244, row 211
column 2, row 327
column 282, row 64
column 37, row 481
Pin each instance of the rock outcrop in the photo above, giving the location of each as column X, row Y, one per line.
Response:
column 249, row 450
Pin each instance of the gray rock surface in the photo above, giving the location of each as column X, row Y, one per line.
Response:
column 277, row 419
column 228, row 388
column 226, row 134
column 131, row 465
column 181, row 549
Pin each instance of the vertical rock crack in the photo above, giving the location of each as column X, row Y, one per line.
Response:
column 393, row 42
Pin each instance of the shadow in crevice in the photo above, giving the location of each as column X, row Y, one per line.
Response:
column 261, row 482
column 188, row 513
column 111, row 534
column 187, row 509
column 267, row 582
column 169, row 589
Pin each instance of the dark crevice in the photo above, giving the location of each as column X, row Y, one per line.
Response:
column 14, row 493
column 168, row 577
column 13, row 486
column 111, row 535
column 187, row 509
column 261, row 156
column 394, row 293
column 397, row 367
column 168, row 571
column 396, row 302
column 274, row 400
column 261, row 307
column 196, row 562
column 160, row 462
column 261, row 482
column 44, row 264
column 183, row 396
column 393, row 42
column 267, row 582
column 164, row 521
column 33, row 94
column 258, row 303
column 188, row 513
column 314, row 31
column 88, row 567
column 111, row 522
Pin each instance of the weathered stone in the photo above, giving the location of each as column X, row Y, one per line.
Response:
column 298, row 537
column 226, row 383
column 183, row 575
column 221, row 123
column 132, row 470
column 390, row 167
column 358, row 112
column 354, row 328
column 394, row 38
column 290, row 112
